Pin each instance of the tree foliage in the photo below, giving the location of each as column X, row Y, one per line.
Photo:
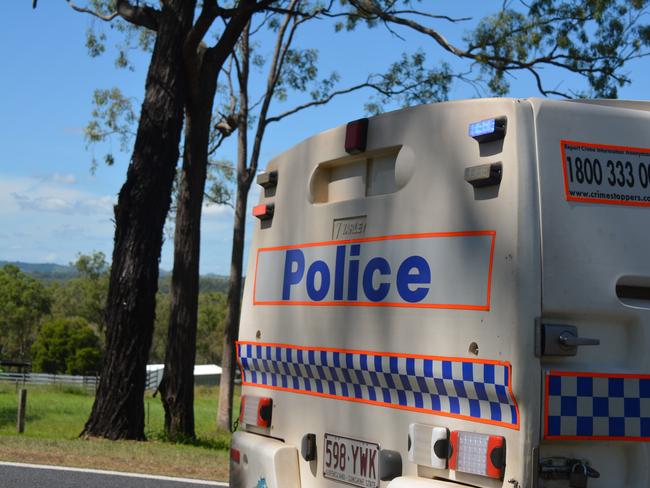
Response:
column 81, row 299
column 23, row 302
column 210, row 327
column 85, row 295
column 593, row 39
column 28, row 306
column 67, row 345
column 113, row 117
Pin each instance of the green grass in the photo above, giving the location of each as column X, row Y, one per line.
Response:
column 55, row 417
column 205, row 418
column 52, row 412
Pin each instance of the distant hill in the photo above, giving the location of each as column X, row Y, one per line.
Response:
column 207, row 283
column 54, row 272
column 45, row 271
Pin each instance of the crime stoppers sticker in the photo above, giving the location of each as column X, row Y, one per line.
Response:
column 599, row 173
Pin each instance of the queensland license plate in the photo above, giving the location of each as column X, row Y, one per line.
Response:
column 351, row 461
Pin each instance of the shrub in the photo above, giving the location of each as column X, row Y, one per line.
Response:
column 67, row 345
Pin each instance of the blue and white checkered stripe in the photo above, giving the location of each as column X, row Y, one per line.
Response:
column 597, row 406
column 463, row 388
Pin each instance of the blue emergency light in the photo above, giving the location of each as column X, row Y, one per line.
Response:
column 488, row 130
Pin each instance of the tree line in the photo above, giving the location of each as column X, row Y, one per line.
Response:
column 58, row 325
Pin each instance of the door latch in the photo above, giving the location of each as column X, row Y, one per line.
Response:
column 560, row 340
column 576, row 471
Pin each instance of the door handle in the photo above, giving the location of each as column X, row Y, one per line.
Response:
column 567, row 338
column 559, row 340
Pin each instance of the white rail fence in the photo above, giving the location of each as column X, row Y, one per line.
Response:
column 87, row 382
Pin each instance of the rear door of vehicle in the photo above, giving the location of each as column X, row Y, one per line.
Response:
column 351, row 354
column 594, row 167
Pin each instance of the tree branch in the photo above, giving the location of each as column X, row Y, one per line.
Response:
column 191, row 55
column 220, row 51
column 279, row 56
column 144, row 16
column 209, row 12
column 321, row 101
column 369, row 7
column 433, row 16
column 219, row 139
column 84, row 10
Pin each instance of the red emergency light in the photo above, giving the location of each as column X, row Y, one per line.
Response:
column 256, row 411
column 356, row 136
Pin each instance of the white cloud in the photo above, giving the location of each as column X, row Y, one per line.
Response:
column 62, row 203
column 51, row 219
column 42, row 204
column 216, row 210
column 67, row 179
column 54, row 193
column 48, row 218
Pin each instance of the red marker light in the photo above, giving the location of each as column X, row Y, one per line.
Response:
column 264, row 410
column 256, row 411
column 235, row 455
column 356, row 136
column 263, row 212
column 496, row 456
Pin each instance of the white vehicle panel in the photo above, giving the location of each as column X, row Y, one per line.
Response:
column 455, row 347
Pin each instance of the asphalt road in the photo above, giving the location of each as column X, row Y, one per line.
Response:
column 13, row 475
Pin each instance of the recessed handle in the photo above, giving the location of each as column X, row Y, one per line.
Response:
column 634, row 291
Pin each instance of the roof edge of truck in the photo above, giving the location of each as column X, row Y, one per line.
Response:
column 385, row 114
column 605, row 103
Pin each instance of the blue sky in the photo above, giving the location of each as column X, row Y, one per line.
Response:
column 52, row 207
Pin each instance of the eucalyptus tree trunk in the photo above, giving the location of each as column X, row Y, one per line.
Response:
column 245, row 174
column 143, row 202
column 177, row 386
column 228, row 361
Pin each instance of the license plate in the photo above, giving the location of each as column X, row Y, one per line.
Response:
column 351, row 461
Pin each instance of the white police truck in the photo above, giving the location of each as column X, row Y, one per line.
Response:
column 455, row 294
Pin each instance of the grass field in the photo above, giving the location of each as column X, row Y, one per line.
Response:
column 56, row 415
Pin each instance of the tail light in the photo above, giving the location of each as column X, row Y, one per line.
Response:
column 477, row 454
column 235, row 455
column 256, row 411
